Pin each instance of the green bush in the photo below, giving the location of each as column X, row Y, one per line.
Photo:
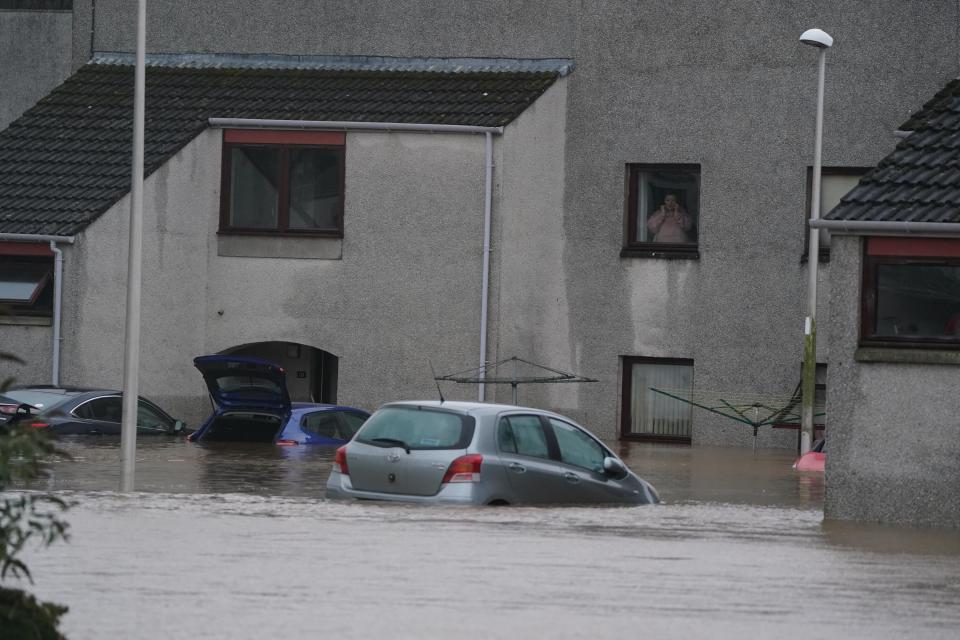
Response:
column 25, row 517
column 23, row 617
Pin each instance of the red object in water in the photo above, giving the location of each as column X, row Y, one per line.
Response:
column 811, row 461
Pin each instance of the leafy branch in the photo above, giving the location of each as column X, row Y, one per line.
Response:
column 29, row 516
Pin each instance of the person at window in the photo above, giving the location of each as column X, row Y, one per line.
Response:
column 670, row 222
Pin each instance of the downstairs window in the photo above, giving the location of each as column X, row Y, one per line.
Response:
column 26, row 281
column 911, row 293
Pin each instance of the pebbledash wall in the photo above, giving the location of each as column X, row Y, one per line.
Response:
column 895, row 432
column 35, row 50
column 404, row 290
column 726, row 86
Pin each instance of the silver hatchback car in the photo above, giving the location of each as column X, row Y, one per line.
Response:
column 478, row 453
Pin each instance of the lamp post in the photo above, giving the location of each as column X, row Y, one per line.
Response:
column 131, row 350
column 822, row 41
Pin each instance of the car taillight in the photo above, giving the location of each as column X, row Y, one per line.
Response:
column 340, row 459
column 464, row 469
column 39, row 425
column 286, row 443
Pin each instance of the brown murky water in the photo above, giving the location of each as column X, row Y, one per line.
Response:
column 237, row 542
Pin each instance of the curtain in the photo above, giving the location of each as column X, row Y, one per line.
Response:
column 653, row 413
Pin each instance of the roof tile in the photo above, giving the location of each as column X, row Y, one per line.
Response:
column 67, row 159
column 920, row 180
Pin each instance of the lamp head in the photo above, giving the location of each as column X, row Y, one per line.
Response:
column 817, row 38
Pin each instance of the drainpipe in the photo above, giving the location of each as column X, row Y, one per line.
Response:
column 57, row 288
column 57, row 297
column 488, row 132
column 487, row 207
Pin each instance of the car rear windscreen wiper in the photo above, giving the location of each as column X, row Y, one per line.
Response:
column 393, row 441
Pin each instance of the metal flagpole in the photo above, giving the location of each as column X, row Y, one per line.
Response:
column 131, row 353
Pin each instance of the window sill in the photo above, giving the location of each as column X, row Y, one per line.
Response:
column 692, row 253
column 29, row 321
column 639, row 437
column 275, row 246
column 905, row 355
column 272, row 233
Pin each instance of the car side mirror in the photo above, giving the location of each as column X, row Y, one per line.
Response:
column 178, row 426
column 614, row 468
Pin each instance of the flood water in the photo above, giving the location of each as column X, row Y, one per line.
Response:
column 238, row 542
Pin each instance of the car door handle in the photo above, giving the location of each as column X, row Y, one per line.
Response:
column 516, row 467
column 572, row 478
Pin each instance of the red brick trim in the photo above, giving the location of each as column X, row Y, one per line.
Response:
column 914, row 247
column 25, row 249
column 279, row 136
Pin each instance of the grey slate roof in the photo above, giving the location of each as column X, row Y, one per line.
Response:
column 67, row 159
column 920, row 180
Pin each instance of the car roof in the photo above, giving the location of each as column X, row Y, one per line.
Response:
column 66, row 392
column 473, row 408
column 319, row 406
column 55, row 388
column 75, row 394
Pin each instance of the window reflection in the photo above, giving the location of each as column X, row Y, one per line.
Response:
column 917, row 300
column 664, row 205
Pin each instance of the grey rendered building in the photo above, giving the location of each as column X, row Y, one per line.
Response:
column 706, row 108
column 894, row 312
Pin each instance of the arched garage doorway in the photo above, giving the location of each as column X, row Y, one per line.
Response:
column 311, row 372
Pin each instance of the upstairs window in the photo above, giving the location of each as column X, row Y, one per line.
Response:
column 835, row 182
column 282, row 183
column 911, row 293
column 663, row 210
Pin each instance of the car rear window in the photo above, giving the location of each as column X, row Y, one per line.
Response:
column 418, row 428
column 37, row 399
column 248, row 384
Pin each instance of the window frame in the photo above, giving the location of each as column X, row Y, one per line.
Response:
column 330, row 414
column 877, row 251
column 142, row 403
column 549, row 420
column 168, row 421
column 824, row 252
column 625, row 395
column 284, row 142
column 41, row 304
column 553, row 453
column 345, row 426
column 666, row 250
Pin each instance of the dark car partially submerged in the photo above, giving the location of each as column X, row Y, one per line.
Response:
column 8, row 407
column 251, row 403
column 85, row 411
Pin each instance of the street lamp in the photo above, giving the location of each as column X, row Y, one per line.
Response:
column 822, row 41
column 131, row 347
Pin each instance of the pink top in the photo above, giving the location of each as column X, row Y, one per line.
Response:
column 670, row 226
